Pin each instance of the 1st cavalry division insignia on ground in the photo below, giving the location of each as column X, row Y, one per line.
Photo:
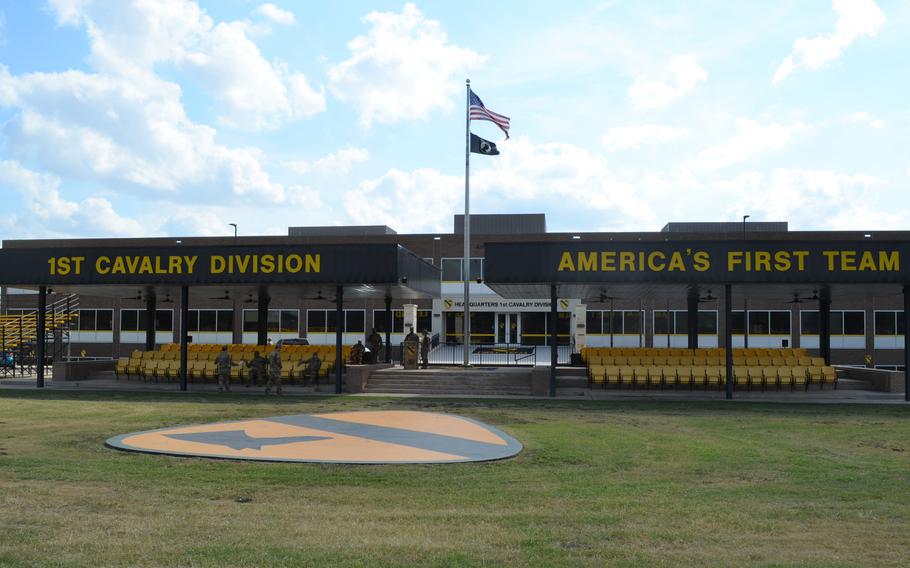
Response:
column 341, row 437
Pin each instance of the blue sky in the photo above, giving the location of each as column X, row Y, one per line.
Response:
column 177, row 117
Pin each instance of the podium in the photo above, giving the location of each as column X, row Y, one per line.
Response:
column 409, row 355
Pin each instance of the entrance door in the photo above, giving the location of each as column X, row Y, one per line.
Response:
column 506, row 328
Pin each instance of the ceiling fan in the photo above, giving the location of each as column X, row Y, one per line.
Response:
column 709, row 298
column 322, row 298
column 797, row 300
column 250, row 299
column 226, row 296
column 138, row 296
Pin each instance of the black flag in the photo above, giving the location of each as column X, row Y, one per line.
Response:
column 481, row 146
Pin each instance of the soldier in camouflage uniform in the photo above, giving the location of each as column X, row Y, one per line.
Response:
column 274, row 377
column 223, row 362
column 257, row 369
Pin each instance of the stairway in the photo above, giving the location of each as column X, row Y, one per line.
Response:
column 485, row 381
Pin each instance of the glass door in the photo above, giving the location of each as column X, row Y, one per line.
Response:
column 506, row 328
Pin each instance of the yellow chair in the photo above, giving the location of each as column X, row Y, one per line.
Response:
column 755, row 376
column 741, row 376
column 800, row 376
column 683, row 375
column 597, row 376
column 771, row 377
column 699, row 375
column 627, row 375
column 612, row 375
column 785, row 377
column 667, row 373
column 120, row 368
column 829, row 376
column 641, row 375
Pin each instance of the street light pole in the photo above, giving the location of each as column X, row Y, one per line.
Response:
column 235, row 231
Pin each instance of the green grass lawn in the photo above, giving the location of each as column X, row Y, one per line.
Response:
column 620, row 483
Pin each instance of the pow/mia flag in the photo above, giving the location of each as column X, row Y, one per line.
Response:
column 481, row 146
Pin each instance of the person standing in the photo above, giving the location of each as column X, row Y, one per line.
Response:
column 257, row 371
column 274, row 377
column 425, row 350
column 374, row 344
column 312, row 369
column 223, row 363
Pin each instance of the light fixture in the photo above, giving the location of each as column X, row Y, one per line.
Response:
column 178, row 241
column 437, row 238
column 576, row 237
column 868, row 235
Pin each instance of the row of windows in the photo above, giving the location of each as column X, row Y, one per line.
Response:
column 772, row 322
column 452, row 269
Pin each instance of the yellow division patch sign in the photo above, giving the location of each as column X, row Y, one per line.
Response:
column 340, row 437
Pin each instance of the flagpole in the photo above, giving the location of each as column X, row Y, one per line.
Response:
column 466, row 266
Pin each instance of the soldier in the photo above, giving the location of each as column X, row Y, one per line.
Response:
column 312, row 369
column 374, row 344
column 357, row 353
column 257, row 369
column 425, row 350
column 274, row 376
column 411, row 336
column 223, row 362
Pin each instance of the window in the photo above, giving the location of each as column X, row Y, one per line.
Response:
column 210, row 320
column 283, row 321
column 841, row 323
column 780, row 323
column 761, row 322
column 594, row 321
column 95, row 320
column 380, row 322
column 354, row 321
column 889, row 323
column 738, row 323
column 623, row 321
column 134, row 320
column 451, row 269
column 323, row 321
column 677, row 321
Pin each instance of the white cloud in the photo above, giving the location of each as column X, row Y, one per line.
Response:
column 403, row 69
column 129, row 38
column 276, row 14
column 113, row 130
column 814, row 199
column 686, row 74
column 41, row 195
column 752, row 138
column 339, row 162
column 626, row 137
column 525, row 172
column 855, row 19
column 410, row 202
column 867, row 119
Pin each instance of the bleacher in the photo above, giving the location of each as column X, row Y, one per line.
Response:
column 164, row 364
column 658, row 368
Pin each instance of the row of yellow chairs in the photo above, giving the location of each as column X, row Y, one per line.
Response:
column 638, row 376
column 165, row 364
column 704, row 360
column 682, row 352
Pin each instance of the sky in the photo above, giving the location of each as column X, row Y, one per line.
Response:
column 132, row 118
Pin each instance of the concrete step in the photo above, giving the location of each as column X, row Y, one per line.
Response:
column 442, row 391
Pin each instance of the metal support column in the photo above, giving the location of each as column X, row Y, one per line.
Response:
column 184, row 332
column 339, row 327
column 728, row 337
column 692, row 308
column 262, row 317
column 906, row 343
column 150, row 310
column 553, row 339
column 824, row 329
column 745, row 323
column 388, row 331
column 40, row 333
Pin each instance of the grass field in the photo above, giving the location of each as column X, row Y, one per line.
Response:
column 617, row 483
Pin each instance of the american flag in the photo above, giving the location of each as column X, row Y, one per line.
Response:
column 476, row 111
